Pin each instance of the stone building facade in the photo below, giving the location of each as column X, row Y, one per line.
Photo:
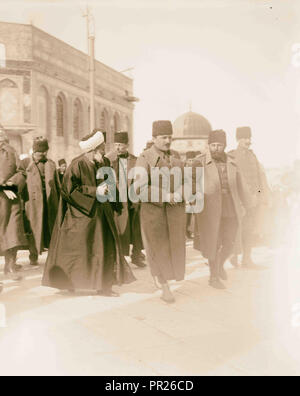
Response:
column 44, row 90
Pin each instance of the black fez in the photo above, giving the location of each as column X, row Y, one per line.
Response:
column 190, row 155
column 62, row 162
column 40, row 144
column 122, row 137
column 162, row 128
column 217, row 136
column 243, row 133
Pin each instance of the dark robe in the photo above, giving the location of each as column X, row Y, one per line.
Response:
column 85, row 250
column 128, row 223
column 12, row 234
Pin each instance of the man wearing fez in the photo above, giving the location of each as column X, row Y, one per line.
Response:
column 129, row 221
column 85, row 250
column 41, row 198
column 62, row 167
column 256, row 180
column 12, row 234
column 225, row 199
column 163, row 223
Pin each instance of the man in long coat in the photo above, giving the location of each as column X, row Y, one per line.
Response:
column 128, row 222
column 12, row 236
column 163, row 223
column 41, row 198
column 256, row 180
column 225, row 200
column 85, row 250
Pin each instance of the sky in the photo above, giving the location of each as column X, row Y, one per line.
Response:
column 231, row 60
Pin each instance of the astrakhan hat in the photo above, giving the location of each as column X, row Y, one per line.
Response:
column 217, row 136
column 122, row 137
column 162, row 128
column 243, row 132
column 40, row 144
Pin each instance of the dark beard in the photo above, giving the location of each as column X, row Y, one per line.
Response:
column 220, row 157
column 125, row 155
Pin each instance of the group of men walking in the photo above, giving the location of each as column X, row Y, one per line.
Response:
column 88, row 235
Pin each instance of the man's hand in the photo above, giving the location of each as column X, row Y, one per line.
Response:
column 173, row 198
column 103, row 189
column 10, row 194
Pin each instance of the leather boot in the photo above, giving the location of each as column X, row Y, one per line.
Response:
column 216, row 284
column 167, row 295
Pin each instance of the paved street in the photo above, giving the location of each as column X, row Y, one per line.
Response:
column 249, row 329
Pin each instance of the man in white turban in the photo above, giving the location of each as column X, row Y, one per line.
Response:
column 85, row 250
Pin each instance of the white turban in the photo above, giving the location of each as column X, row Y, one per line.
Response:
column 92, row 142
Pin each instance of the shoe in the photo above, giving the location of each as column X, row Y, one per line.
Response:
column 16, row 267
column 234, row 261
column 217, row 284
column 108, row 293
column 167, row 295
column 223, row 274
column 142, row 256
column 138, row 262
column 189, row 235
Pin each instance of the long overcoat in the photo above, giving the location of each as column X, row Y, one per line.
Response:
column 255, row 177
column 163, row 225
column 34, row 201
column 207, row 223
column 11, row 220
column 85, row 236
column 128, row 222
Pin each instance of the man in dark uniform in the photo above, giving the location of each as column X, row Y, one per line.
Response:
column 41, row 198
column 12, row 236
column 224, row 194
column 256, row 180
column 163, row 220
column 129, row 221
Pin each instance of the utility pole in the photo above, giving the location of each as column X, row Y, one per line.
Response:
column 91, row 52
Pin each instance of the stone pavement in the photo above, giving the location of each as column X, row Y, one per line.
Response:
column 248, row 329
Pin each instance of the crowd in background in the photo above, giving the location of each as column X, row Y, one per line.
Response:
column 54, row 208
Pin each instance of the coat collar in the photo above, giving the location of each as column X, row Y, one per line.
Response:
column 154, row 156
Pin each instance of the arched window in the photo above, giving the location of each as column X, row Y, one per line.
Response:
column 77, row 119
column 60, row 115
column 127, row 124
column 43, row 113
column 115, row 123
column 2, row 55
column 103, row 121
column 9, row 102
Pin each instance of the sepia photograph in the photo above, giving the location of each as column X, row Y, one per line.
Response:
column 150, row 190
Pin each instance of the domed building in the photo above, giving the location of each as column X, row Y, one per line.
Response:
column 191, row 132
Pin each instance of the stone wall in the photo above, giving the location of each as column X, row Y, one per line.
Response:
column 45, row 69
